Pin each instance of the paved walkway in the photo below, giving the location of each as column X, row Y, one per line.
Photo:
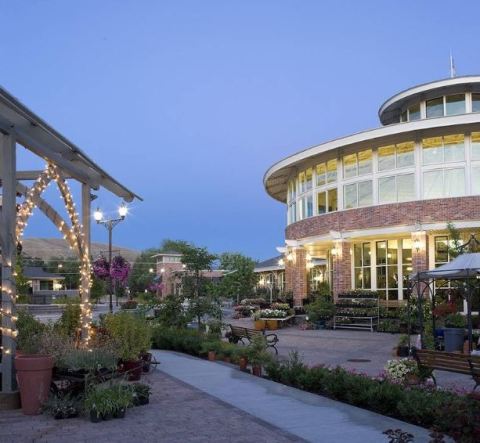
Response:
column 310, row 417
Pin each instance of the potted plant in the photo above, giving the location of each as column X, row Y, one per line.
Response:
column 133, row 335
column 122, row 398
column 404, row 370
column 227, row 351
column 259, row 325
column 403, row 349
column 210, row 348
column 454, row 332
column 241, row 357
column 97, row 404
column 258, row 355
column 141, row 394
column 320, row 311
column 61, row 406
column 33, row 364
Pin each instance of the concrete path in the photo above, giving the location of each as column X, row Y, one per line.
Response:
column 308, row 416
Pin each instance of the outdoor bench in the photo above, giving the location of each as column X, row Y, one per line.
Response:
column 238, row 333
column 450, row 362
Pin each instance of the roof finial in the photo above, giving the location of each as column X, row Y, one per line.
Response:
column 453, row 71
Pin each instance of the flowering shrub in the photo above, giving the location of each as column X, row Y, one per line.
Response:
column 280, row 306
column 272, row 313
column 397, row 370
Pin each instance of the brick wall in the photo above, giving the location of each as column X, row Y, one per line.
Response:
column 296, row 275
column 342, row 268
column 426, row 211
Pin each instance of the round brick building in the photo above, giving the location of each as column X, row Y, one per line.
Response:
column 366, row 210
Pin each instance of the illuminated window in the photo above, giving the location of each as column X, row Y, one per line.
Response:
column 387, row 269
column 350, row 166
column 326, row 172
column 308, row 179
column 396, row 189
column 357, row 164
column 365, row 193
column 362, row 265
column 365, row 162
column 447, row 149
column 396, row 156
column 476, row 145
column 350, row 196
column 432, row 150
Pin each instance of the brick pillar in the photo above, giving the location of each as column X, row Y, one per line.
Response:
column 342, row 267
column 419, row 251
column 296, row 275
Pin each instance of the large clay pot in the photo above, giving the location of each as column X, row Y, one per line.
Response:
column 257, row 370
column 243, row 362
column 212, row 356
column 34, row 375
column 272, row 325
column 134, row 369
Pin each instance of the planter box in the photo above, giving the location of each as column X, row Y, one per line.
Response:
column 260, row 325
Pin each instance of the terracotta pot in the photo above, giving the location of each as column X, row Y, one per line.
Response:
column 134, row 369
column 243, row 362
column 257, row 370
column 34, row 375
column 212, row 356
column 260, row 325
column 272, row 325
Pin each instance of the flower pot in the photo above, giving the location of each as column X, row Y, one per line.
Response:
column 453, row 339
column 260, row 325
column 272, row 325
column 134, row 369
column 402, row 351
column 257, row 370
column 147, row 361
column 243, row 362
column 211, row 356
column 34, row 375
column 119, row 413
column 95, row 417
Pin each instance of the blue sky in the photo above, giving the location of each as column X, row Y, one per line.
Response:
column 189, row 102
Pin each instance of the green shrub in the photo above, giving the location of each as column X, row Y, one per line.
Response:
column 131, row 332
column 29, row 331
column 320, row 309
column 182, row 340
column 69, row 322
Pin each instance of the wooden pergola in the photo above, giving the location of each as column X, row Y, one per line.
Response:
column 64, row 160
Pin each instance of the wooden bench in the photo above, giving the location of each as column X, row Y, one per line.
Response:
column 450, row 362
column 239, row 333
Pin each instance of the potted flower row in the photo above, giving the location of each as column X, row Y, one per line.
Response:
column 270, row 316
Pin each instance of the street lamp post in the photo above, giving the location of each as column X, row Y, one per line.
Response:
column 109, row 225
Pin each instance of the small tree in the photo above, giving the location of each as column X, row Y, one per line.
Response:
column 195, row 286
column 241, row 279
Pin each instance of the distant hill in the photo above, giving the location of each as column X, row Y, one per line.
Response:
column 46, row 248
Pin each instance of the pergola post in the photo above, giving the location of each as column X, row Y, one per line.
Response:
column 8, row 236
column 85, row 279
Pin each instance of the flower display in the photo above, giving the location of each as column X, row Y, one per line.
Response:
column 100, row 268
column 398, row 370
column 272, row 313
column 120, row 269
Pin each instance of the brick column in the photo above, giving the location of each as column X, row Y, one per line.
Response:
column 419, row 251
column 342, row 267
column 296, row 275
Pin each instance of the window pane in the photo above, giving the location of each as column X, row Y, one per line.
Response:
column 321, row 174
column 332, row 171
column 358, row 278
column 441, row 250
column 367, row 278
column 386, row 158
column 365, row 197
column 332, row 200
column 414, row 113
column 357, row 254
column 350, row 166
column 432, row 184
column 405, row 155
column 386, row 190
column 308, row 179
column 365, row 162
column 309, row 205
column 321, row 203
column 301, row 182
column 381, row 252
column 435, row 107
column 432, row 150
column 350, row 196
column 455, row 104
column 403, row 116
column 476, row 145
column 392, row 252
column 475, row 102
column 381, row 277
column 476, row 180
column 454, row 182
column 454, row 148
column 366, row 254
column 406, row 187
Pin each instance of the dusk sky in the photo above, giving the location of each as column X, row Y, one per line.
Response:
column 188, row 103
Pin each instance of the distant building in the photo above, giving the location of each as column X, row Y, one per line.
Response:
column 45, row 286
column 170, row 270
column 271, row 275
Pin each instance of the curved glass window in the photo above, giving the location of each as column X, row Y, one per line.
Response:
column 455, row 104
column 394, row 189
column 444, row 183
column 450, row 148
column 414, row 112
column 357, row 164
column 475, row 145
column 396, row 156
column 358, row 194
column 327, row 201
column 435, row 107
column 327, row 172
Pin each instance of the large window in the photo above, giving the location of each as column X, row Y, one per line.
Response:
column 305, row 180
column 475, row 102
column 387, row 269
column 407, row 268
column 396, row 189
column 444, row 183
column 327, row 172
column 396, row 156
column 446, row 149
column 362, row 265
column 357, row 164
column 358, row 194
column 455, row 104
column 435, row 107
column 327, row 201
column 307, row 206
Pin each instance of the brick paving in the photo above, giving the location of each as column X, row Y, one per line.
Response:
column 177, row 413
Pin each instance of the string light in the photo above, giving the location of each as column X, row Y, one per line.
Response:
column 74, row 235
